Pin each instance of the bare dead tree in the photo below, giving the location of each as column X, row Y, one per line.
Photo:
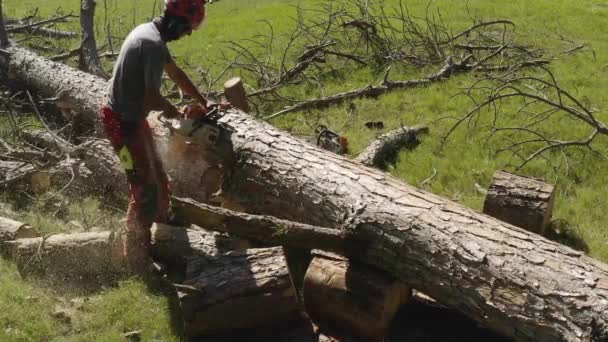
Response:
column 3, row 36
column 542, row 103
column 89, row 60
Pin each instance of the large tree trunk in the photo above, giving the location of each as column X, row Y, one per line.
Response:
column 89, row 59
column 507, row 279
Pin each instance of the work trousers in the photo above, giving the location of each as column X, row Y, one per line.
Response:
column 148, row 185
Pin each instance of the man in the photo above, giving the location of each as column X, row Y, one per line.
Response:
column 134, row 91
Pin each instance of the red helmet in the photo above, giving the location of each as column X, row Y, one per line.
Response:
column 194, row 10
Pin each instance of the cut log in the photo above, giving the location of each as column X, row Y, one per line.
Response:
column 12, row 230
column 507, row 279
column 235, row 94
column 88, row 257
column 353, row 295
column 384, row 150
column 521, row 201
column 226, row 287
column 89, row 59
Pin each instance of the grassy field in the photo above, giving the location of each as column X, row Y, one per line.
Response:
column 465, row 161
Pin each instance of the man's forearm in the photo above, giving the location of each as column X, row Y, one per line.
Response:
column 183, row 81
column 155, row 101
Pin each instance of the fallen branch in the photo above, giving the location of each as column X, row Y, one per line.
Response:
column 384, row 149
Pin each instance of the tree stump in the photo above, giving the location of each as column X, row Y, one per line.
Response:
column 235, row 94
column 363, row 299
column 521, row 201
column 225, row 285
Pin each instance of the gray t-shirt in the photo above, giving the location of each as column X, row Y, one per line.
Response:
column 140, row 65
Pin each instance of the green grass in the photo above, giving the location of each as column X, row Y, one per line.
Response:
column 465, row 161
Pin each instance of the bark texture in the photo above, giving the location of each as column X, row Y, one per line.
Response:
column 354, row 295
column 384, row 150
column 506, row 278
column 226, row 286
column 77, row 93
column 11, row 230
column 3, row 35
column 89, row 59
column 521, row 201
column 89, row 256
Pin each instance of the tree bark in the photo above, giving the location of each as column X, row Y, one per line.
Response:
column 11, row 230
column 353, row 295
column 3, row 35
column 89, row 59
column 225, row 285
column 77, row 93
column 507, row 279
column 521, row 201
column 384, row 150
column 93, row 257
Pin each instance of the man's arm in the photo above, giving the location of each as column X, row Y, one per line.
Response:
column 154, row 100
column 183, row 82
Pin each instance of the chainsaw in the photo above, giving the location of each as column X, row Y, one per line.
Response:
column 331, row 141
column 201, row 129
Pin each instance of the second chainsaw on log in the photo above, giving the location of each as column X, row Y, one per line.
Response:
column 331, row 141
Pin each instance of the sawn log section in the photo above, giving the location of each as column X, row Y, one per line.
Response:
column 512, row 281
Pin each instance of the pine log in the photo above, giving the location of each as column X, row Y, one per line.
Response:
column 92, row 257
column 521, row 201
column 507, row 279
column 225, row 285
column 353, row 295
column 235, row 94
column 11, row 230
column 384, row 150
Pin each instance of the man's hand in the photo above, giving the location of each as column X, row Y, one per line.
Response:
column 171, row 112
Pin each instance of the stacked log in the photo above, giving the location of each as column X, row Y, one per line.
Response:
column 226, row 286
column 355, row 296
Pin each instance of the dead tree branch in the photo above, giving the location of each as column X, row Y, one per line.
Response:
column 543, row 104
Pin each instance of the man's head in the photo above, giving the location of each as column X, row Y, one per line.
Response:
column 181, row 17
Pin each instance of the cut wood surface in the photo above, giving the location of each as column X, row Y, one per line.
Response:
column 384, row 150
column 510, row 280
column 226, row 286
column 235, row 94
column 521, row 201
column 352, row 295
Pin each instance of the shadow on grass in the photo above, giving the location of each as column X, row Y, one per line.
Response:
column 563, row 232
